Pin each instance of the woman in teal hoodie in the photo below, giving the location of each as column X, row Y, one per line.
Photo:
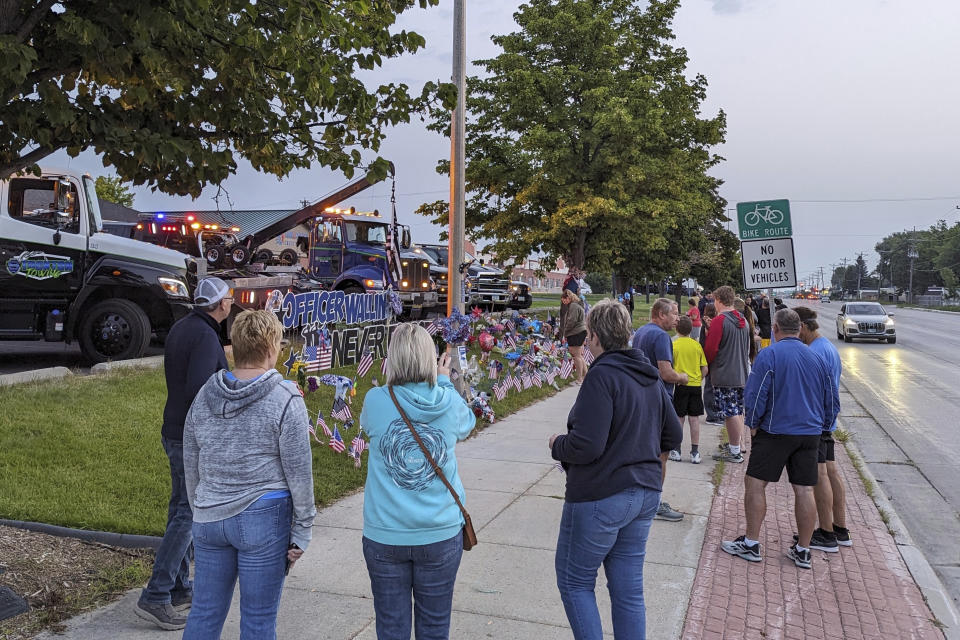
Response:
column 412, row 527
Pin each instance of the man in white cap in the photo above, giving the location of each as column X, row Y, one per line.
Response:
column 192, row 354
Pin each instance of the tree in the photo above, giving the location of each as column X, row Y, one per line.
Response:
column 170, row 92
column 599, row 282
column 112, row 189
column 585, row 142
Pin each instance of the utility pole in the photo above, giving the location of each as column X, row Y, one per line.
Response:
column 913, row 255
column 457, row 131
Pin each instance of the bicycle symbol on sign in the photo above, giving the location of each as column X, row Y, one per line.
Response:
column 768, row 215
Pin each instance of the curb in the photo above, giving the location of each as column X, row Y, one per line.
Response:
column 937, row 597
column 924, row 309
column 34, row 375
column 126, row 540
column 152, row 362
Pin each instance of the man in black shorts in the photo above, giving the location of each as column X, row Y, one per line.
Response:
column 790, row 398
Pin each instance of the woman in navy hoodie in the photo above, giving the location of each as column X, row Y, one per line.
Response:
column 621, row 422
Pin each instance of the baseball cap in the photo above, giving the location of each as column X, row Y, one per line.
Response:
column 210, row 291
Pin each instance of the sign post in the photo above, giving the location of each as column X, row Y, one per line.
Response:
column 766, row 247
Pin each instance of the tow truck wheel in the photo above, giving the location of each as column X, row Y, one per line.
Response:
column 215, row 255
column 289, row 257
column 114, row 329
column 263, row 255
column 352, row 289
column 239, row 255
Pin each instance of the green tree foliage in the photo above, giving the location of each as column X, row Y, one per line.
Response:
column 931, row 245
column 599, row 282
column 112, row 189
column 170, row 92
column 585, row 142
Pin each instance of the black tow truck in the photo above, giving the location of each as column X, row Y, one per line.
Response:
column 64, row 279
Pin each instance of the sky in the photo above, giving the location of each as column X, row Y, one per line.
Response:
column 848, row 108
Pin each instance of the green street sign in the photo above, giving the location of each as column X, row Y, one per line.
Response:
column 764, row 219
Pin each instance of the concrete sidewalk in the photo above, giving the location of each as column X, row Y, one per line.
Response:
column 506, row 585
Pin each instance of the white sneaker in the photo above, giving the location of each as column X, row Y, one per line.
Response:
column 695, row 457
column 675, row 455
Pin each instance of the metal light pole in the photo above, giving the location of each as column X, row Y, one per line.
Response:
column 457, row 130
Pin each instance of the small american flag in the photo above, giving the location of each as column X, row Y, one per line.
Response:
column 357, row 445
column 336, row 442
column 566, row 368
column 511, row 341
column 493, row 372
column 537, row 380
column 341, row 411
column 365, row 363
column 318, row 358
column 500, row 390
column 517, row 383
column 509, row 325
column 383, row 366
column 587, row 356
column 527, row 382
column 528, row 358
column 551, row 376
column 433, row 328
column 322, row 424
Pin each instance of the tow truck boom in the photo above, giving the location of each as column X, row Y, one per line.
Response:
column 255, row 239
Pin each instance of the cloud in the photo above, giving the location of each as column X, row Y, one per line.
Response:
column 728, row 6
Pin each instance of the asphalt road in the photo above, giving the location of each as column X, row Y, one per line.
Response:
column 18, row 355
column 909, row 427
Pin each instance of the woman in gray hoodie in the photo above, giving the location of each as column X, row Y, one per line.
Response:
column 249, row 476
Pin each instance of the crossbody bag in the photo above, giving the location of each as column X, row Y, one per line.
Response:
column 469, row 535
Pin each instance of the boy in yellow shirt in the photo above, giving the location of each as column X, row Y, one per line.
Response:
column 688, row 358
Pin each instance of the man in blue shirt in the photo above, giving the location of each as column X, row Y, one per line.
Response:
column 654, row 342
column 790, row 399
column 830, row 492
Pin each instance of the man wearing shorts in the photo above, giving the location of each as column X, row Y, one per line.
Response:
column 790, row 399
column 728, row 356
column 830, row 492
column 654, row 341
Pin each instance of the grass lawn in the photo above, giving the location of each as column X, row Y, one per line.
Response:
column 85, row 452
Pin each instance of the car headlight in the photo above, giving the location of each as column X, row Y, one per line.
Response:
column 889, row 322
column 514, row 287
column 467, row 284
column 174, row 287
column 851, row 322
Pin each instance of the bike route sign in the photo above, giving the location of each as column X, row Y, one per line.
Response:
column 764, row 219
column 768, row 264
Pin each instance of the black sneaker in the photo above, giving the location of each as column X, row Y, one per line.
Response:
column 181, row 601
column 843, row 536
column 821, row 540
column 739, row 547
column 800, row 558
column 162, row 615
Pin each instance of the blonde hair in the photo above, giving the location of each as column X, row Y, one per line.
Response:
column 411, row 356
column 254, row 335
column 609, row 320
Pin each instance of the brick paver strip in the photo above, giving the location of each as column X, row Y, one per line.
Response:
column 862, row 592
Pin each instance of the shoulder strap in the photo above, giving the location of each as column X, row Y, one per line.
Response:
column 426, row 453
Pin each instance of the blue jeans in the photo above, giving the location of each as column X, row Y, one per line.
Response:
column 251, row 545
column 429, row 571
column 171, row 565
column 612, row 531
